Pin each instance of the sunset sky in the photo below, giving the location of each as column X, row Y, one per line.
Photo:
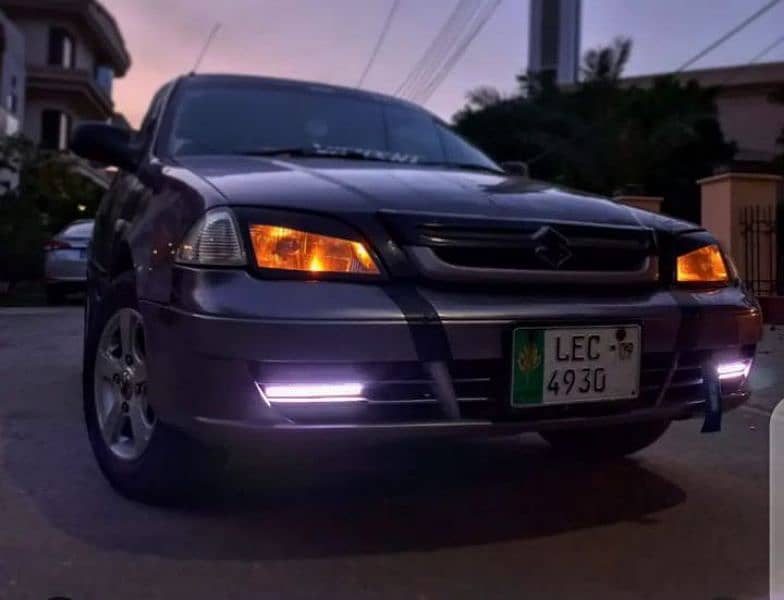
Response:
column 331, row 40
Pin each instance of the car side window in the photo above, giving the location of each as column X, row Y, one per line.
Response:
column 459, row 151
column 147, row 129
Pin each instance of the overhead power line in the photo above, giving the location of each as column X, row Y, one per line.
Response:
column 442, row 47
column 459, row 51
column 379, row 42
column 768, row 49
column 457, row 19
column 737, row 71
column 731, row 33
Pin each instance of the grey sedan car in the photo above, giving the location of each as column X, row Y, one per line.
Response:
column 279, row 259
column 65, row 260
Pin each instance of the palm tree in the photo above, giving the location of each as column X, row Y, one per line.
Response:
column 606, row 64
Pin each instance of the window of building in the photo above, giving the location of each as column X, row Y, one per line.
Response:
column 104, row 77
column 62, row 50
column 12, row 100
column 55, row 130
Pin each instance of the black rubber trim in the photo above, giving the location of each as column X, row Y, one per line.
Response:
column 430, row 342
column 427, row 330
column 691, row 308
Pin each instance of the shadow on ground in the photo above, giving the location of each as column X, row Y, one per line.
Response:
column 341, row 501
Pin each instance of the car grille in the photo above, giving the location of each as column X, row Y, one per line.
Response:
column 454, row 248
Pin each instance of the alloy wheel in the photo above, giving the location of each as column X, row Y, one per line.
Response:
column 125, row 418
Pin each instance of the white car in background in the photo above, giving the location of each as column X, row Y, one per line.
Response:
column 65, row 266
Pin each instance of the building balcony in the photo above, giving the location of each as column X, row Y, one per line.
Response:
column 79, row 87
column 97, row 24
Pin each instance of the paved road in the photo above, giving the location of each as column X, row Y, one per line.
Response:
column 685, row 519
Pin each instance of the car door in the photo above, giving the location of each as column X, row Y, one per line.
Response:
column 120, row 205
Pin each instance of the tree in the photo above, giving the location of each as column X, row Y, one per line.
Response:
column 50, row 195
column 602, row 136
column 50, row 181
column 606, row 64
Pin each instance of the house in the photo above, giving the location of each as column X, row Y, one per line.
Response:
column 12, row 77
column 746, row 112
column 73, row 51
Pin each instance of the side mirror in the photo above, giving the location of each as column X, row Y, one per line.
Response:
column 515, row 167
column 106, row 144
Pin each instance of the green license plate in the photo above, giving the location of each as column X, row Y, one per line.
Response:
column 564, row 365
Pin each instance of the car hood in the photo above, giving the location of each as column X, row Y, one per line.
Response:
column 351, row 187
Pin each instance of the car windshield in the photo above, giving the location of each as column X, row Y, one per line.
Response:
column 265, row 118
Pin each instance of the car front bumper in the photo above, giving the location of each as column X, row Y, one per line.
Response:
column 226, row 332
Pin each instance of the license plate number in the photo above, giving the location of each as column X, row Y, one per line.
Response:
column 581, row 364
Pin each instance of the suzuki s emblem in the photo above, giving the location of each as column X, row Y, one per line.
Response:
column 551, row 247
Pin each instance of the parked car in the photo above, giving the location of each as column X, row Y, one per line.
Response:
column 65, row 262
column 280, row 258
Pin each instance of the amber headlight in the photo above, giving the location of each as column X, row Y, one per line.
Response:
column 289, row 249
column 703, row 265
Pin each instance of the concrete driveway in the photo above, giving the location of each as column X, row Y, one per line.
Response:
column 687, row 518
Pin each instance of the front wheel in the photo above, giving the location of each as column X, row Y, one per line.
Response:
column 606, row 442
column 141, row 457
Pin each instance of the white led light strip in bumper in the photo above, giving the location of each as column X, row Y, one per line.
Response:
column 309, row 393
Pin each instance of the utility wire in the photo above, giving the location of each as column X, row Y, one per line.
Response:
column 767, row 50
column 457, row 14
column 458, row 53
column 442, row 47
column 379, row 42
column 701, row 54
column 737, row 70
column 456, row 20
column 731, row 33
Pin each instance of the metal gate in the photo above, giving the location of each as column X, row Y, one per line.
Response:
column 762, row 255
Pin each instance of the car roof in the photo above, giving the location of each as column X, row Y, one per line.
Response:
column 202, row 78
column 78, row 223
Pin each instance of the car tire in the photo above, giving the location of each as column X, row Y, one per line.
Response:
column 54, row 294
column 172, row 465
column 606, row 442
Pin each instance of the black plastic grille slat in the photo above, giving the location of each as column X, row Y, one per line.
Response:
column 590, row 259
column 592, row 248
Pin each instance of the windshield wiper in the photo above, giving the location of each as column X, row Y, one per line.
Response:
column 463, row 166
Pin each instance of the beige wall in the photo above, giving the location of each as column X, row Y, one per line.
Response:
column 751, row 120
column 724, row 198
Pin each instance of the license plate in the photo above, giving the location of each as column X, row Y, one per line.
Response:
column 581, row 364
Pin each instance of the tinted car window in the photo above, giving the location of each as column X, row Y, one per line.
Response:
column 236, row 118
column 459, row 151
column 412, row 132
column 233, row 120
